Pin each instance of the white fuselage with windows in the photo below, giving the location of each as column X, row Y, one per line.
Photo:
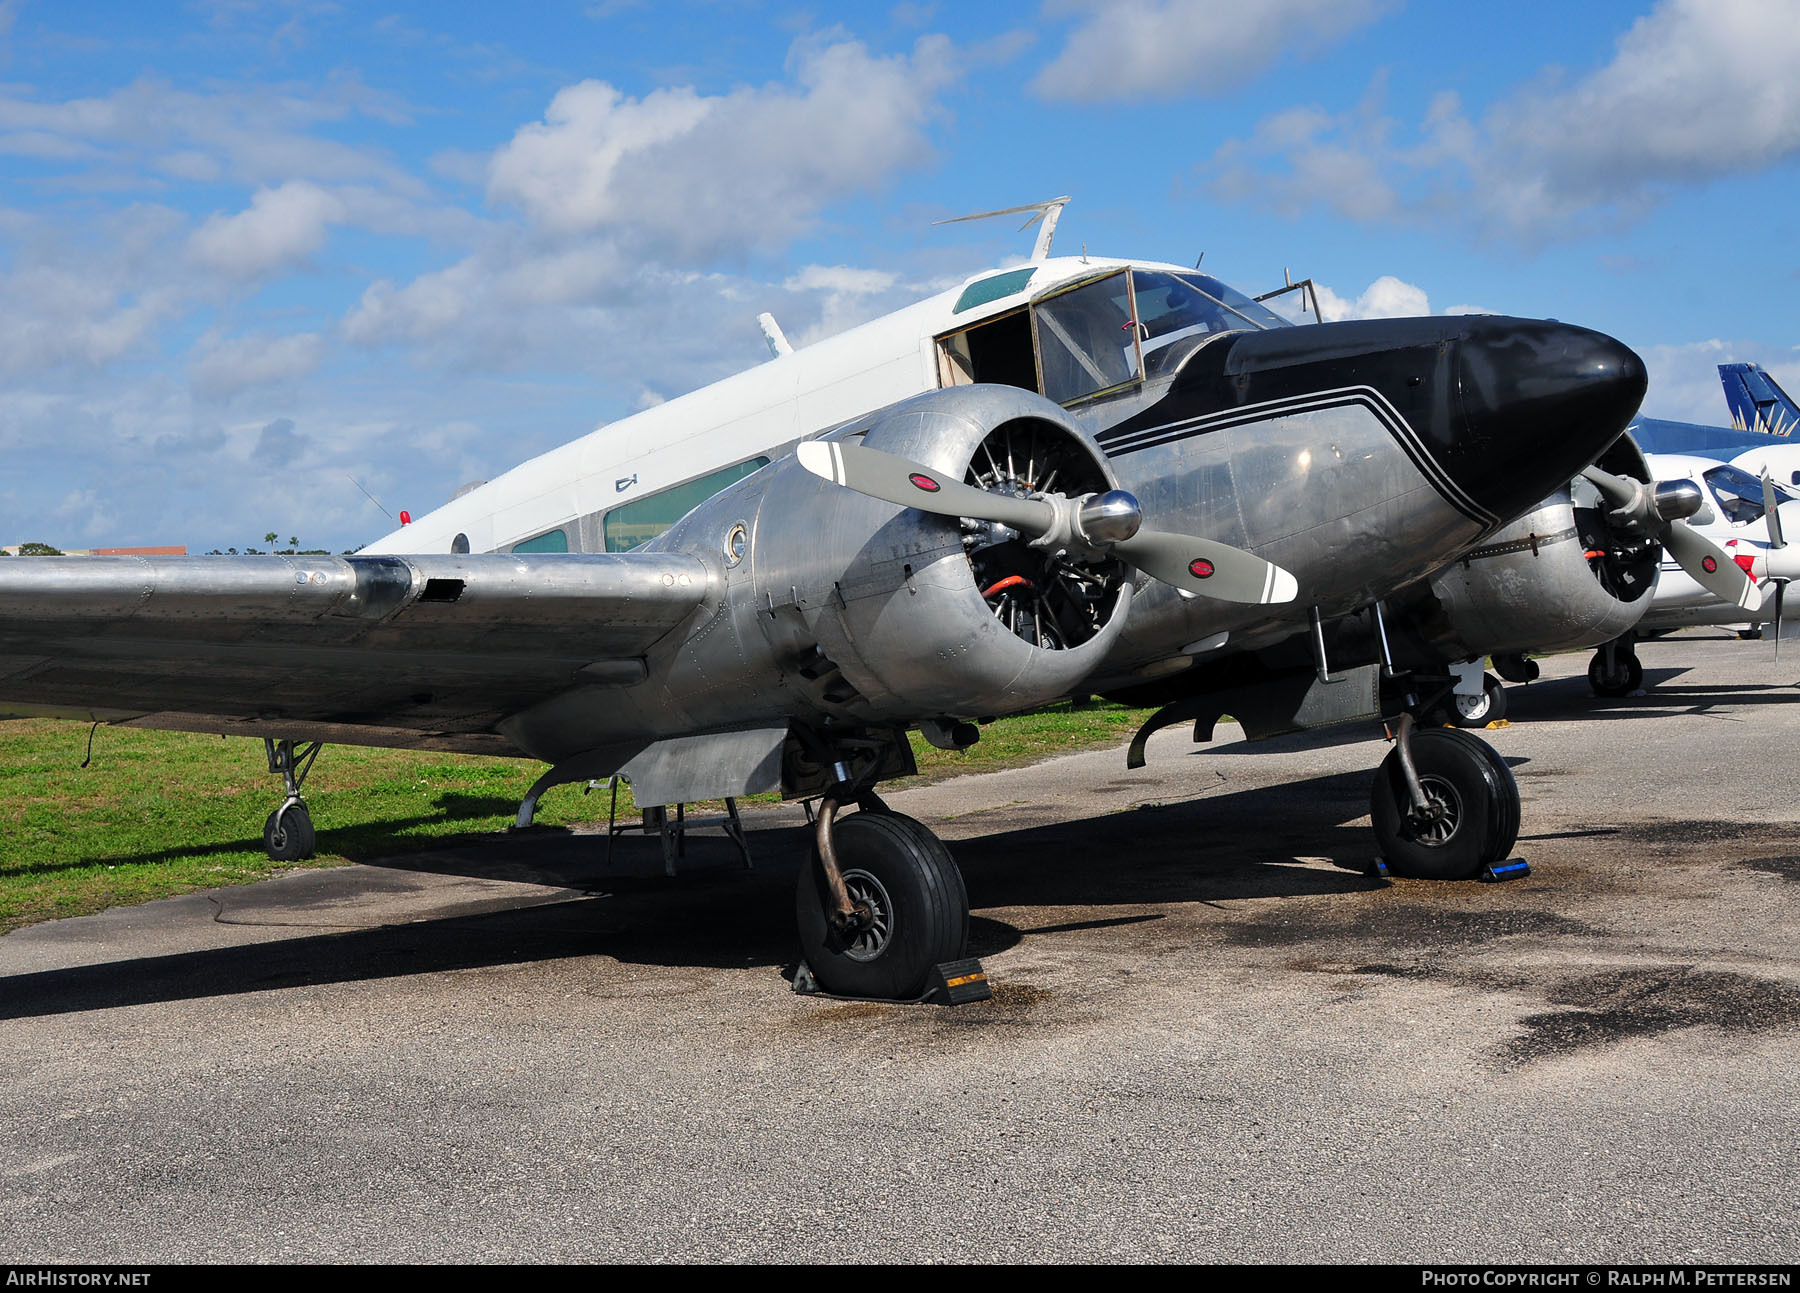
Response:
column 1071, row 328
column 1734, row 518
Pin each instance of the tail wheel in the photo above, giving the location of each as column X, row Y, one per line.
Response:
column 1475, row 801
column 288, row 833
column 919, row 910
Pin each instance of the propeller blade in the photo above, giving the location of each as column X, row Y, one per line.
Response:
column 1208, row 568
column 895, row 480
column 1772, row 511
column 1202, row 567
column 1711, row 567
column 1617, row 490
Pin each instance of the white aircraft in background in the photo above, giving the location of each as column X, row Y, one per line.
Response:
column 1738, row 516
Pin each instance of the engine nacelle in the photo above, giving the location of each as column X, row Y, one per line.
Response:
column 1533, row 586
column 874, row 612
column 1557, row 579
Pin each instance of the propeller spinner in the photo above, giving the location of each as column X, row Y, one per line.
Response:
column 1107, row 524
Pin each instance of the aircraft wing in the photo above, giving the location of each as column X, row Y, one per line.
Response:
column 425, row 652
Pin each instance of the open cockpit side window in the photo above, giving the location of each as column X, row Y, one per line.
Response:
column 1095, row 337
column 995, row 350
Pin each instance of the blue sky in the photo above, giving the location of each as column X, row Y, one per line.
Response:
column 249, row 250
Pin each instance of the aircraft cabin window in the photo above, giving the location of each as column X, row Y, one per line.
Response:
column 992, row 289
column 1087, row 339
column 643, row 519
column 549, row 541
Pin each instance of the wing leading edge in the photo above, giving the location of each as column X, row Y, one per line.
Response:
column 417, row 651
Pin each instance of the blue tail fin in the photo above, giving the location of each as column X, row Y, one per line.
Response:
column 1757, row 402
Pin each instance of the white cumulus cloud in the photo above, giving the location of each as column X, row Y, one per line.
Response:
column 1695, row 91
column 222, row 368
column 281, row 227
column 698, row 175
column 1160, row 49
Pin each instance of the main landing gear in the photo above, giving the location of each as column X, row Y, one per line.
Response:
column 882, row 906
column 1477, row 711
column 1615, row 670
column 288, row 832
column 1444, row 806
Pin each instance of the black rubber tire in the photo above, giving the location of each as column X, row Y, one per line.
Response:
column 288, row 833
column 1750, row 635
column 915, row 881
column 1470, row 775
column 1509, row 800
column 1478, row 711
column 1627, row 675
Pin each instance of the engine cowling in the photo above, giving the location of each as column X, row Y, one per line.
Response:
column 883, row 613
column 1556, row 579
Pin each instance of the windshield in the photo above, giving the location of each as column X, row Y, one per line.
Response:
column 1740, row 494
column 1174, row 306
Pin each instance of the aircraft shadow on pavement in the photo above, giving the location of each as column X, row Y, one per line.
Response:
column 1566, row 698
column 1247, row 844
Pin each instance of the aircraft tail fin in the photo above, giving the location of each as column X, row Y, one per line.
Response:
column 1757, row 401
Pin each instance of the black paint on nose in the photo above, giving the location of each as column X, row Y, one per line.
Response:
column 1539, row 400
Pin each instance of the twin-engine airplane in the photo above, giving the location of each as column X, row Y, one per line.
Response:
column 1067, row 477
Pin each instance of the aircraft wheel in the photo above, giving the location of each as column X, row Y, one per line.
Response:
column 1625, row 677
column 1753, row 634
column 919, row 909
column 1477, row 799
column 288, row 833
column 1479, row 711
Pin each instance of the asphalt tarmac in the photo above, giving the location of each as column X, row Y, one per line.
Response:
column 1213, row 1038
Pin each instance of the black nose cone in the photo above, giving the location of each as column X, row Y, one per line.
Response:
column 1540, row 400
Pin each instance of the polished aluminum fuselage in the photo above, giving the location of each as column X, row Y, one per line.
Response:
column 847, row 608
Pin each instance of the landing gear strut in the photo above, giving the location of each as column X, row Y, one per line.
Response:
column 288, row 832
column 1445, row 805
column 881, row 905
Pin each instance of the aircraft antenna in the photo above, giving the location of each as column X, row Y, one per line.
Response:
column 773, row 336
column 366, row 494
column 1048, row 212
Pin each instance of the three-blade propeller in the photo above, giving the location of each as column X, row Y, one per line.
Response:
column 1100, row 525
column 1656, row 511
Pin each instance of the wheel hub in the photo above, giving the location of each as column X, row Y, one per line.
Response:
column 874, row 909
column 1438, row 825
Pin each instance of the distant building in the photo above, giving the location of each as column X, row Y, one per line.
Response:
column 12, row 550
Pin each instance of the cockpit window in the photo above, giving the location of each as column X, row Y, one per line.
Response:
column 1172, row 307
column 1087, row 339
column 1740, row 494
column 1097, row 336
